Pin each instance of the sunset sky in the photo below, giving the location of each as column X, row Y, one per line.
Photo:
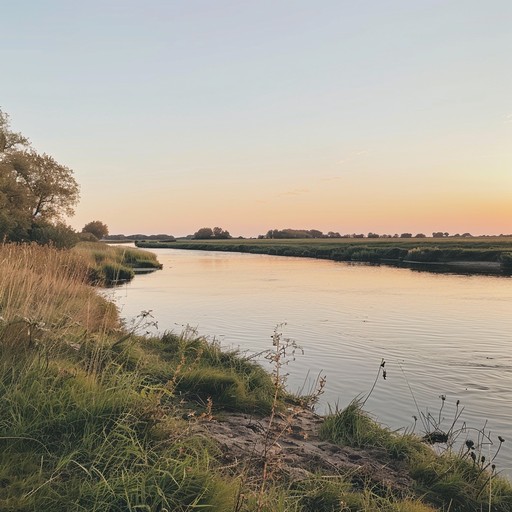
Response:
column 351, row 116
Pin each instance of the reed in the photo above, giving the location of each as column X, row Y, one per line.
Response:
column 44, row 294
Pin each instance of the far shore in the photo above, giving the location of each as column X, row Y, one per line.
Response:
column 482, row 255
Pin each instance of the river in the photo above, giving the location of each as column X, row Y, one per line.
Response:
column 439, row 334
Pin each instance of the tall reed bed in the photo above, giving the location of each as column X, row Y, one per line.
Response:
column 44, row 292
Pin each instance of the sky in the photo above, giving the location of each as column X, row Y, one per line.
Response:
column 349, row 116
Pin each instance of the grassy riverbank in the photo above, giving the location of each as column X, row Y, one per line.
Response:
column 109, row 265
column 95, row 416
column 484, row 254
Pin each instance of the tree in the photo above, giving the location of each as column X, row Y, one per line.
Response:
column 58, row 234
column 315, row 233
column 14, row 222
column 220, row 233
column 51, row 189
column 203, row 234
column 406, row 235
column 15, row 219
column 97, row 228
column 8, row 139
column 35, row 190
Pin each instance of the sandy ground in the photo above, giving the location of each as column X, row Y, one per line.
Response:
column 293, row 450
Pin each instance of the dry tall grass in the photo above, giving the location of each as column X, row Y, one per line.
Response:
column 44, row 290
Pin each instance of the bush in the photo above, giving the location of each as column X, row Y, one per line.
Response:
column 506, row 261
column 59, row 235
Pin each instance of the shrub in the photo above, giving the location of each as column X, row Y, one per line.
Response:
column 506, row 261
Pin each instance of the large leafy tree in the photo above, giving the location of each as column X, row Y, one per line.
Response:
column 207, row 233
column 203, row 234
column 35, row 190
column 51, row 189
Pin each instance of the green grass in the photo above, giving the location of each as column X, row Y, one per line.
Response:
column 352, row 426
column 407, row 251
column 91, row 414
column 199, row 369
column 76, row 441
column 110, row 265
column 451, row 481
column 321, row 494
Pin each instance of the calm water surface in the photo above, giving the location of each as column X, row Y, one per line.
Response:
column 440, row 334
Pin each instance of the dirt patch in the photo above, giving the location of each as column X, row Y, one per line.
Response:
column 293, row 451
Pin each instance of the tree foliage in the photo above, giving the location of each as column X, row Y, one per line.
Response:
column 220, row 233
column 36, row 192
column 299, row 233
column 207, row 233
column 51, row 190
column 203, row 234
column 97, row 228
column 9, row 139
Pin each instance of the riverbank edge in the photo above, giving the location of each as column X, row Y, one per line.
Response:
column 360, row 255
column 294, row 440
column 171, row 402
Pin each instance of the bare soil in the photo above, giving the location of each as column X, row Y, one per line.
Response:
column 293, row 450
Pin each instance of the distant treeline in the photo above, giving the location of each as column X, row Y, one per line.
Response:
column 218, row 233
column 315, row 233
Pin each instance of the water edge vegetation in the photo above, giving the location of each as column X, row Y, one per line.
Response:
column 472, row 255
column 97, row 416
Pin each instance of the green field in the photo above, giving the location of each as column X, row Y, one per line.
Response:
column 482, row 254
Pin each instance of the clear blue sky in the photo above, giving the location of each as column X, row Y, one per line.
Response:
column 384, row 116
